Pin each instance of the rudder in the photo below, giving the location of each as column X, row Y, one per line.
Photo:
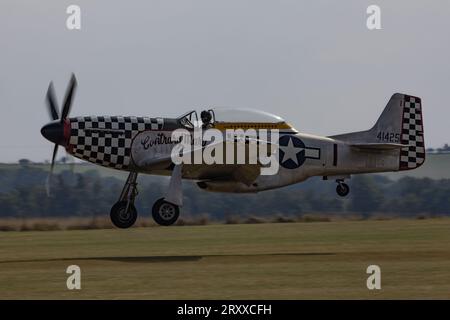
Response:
column 412, row 134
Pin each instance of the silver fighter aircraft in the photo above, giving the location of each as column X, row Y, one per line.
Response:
column 144, row 145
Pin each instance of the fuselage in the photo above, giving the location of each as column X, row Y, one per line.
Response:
column 117, row 142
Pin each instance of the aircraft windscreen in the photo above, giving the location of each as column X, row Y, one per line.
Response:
column 189, row 119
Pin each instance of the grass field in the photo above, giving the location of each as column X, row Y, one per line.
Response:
column 259, row 261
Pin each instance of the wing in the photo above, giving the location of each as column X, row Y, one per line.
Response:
column 245, row 173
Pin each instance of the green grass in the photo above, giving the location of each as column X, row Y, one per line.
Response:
column 260, row 261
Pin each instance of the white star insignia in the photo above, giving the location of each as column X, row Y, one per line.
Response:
column 290, row 152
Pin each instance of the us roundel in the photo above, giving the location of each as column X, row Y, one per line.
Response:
column 292, row 152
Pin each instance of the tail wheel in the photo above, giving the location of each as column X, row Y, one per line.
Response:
column 342, row 189
column 165, row 213
column 123, row 214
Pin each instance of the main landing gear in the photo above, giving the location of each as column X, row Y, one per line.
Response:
column 342, row 188
column 123, row 213
column 165, row 211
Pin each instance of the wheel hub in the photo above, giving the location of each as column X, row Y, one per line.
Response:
column 167, row 211
column 124, row 215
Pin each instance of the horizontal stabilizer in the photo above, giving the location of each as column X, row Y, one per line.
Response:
column 379, row 146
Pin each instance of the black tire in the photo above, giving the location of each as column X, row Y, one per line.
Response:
column 165, row 213
column 342, row 189
column 120, row 218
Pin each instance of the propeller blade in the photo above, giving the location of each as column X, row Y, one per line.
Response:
column 55, row 151
column 50, row 174
column 51, row 102
column 47, row 185
column 71, row 162
column 68, row 99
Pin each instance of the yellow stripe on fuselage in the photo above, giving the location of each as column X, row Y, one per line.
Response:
column 250, row 125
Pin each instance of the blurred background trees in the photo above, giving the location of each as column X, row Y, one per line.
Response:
column 22, row 194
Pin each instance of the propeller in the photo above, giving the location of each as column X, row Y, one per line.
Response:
column 54, row 131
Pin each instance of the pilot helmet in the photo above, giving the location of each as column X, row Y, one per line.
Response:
column 206, row 116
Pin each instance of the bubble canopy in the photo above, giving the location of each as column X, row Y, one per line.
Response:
column 230, row 116
column 243, row 115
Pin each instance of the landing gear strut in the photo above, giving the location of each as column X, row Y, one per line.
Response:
column 123, row 213
column 342, row 188
column 165, row 211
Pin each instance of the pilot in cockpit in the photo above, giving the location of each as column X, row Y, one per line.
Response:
column 206, row 119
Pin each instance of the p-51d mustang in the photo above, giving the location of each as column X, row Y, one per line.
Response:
column 143, row 145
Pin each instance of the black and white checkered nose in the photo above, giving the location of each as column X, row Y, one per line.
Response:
column 54, row 132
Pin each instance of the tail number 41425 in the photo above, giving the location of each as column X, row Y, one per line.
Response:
column 390, row 137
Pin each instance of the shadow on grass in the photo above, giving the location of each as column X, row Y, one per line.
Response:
column 156, row 259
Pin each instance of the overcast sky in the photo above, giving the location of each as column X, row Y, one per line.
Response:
column 314, row 63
